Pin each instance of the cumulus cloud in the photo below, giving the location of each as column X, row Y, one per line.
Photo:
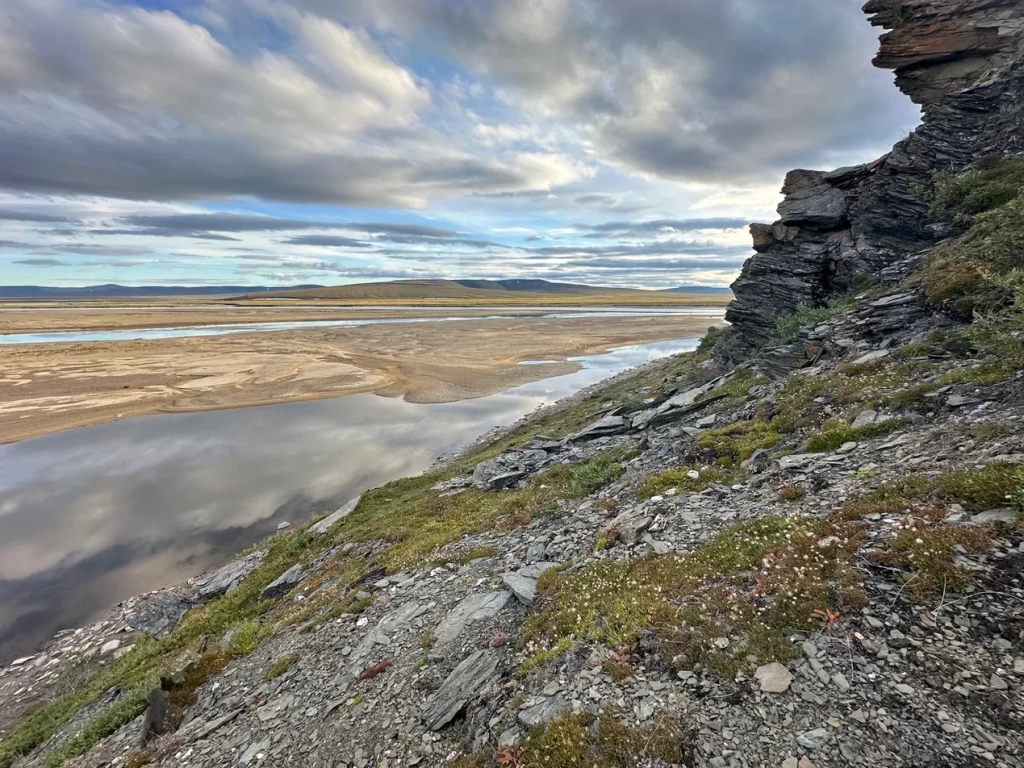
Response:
column 147, row 105
column 702, row 90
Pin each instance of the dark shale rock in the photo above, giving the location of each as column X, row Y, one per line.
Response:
column 472, row 675
column 963, row 61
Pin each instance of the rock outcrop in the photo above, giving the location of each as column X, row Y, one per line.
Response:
column 961, row 61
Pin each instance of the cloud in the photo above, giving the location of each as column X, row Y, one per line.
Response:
column 654, row 248
column 660, row 226
column 7, row 214
column 660, row 265
column 703, row 90
column 191, row 223
column 43, row 263
column 326, row 241
column 148, row 106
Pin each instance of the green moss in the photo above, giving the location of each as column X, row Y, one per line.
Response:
column 992, row 184
column 786, row 327
column 834, row 434
column 562, row 648
column 247, row 637
column 992, row 430
column 682, row 479
column 576, row 741
column 737, row 442
column 928, row 552
column 963, row 273
column 981, row 489
column 281, row 666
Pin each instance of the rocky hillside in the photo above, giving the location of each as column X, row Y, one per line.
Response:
column 802, row 545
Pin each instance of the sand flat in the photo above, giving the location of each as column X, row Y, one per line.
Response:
column 46, row 388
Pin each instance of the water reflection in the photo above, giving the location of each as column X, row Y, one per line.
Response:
column 92, row 516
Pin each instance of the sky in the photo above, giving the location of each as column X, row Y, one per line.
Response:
column 281, row 142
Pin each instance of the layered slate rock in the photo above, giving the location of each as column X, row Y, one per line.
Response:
column 472, row 608
column 961, row 60
column 225, row 579
column 468, row 679
column 284, row 583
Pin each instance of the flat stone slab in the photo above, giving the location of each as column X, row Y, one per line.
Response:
column 380, row 635
column 321, row 527
column 543, row 712
column 1003, row 515
column 798, row 460
column 472, row 608
column 611, row 424
column 774, row 677
column 284, row 583
column 523, row 582
column 472, row 675
column 227, row 579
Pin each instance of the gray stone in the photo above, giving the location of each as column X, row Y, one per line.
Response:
column 535, row 552
column 227, row 579
column 472, row 675
column 870, row 357
column 865, row 419
column 958, row 401
column 472, row 608
column 905, row 689
column 816, row 739
column 996, row 683
column 797, row 460
column 540, row 713
column 321, row 527
column 1005, row 515
column 159, row 614
column 840, row 682
column 774, row 677
column 284, row 583
column 523, row 582
column 380, row 635
column 612, row 424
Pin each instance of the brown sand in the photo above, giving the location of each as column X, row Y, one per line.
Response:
column 46, row 388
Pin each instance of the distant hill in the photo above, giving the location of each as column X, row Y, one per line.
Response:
column 112, row 290
column 709, row 290
column 519, row 290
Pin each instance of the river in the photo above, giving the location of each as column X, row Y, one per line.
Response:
column 91, row 516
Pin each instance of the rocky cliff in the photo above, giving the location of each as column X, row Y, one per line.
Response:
column 963, row 62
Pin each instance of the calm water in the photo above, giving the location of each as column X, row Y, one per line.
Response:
column 92, row 516
column 221, row 329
